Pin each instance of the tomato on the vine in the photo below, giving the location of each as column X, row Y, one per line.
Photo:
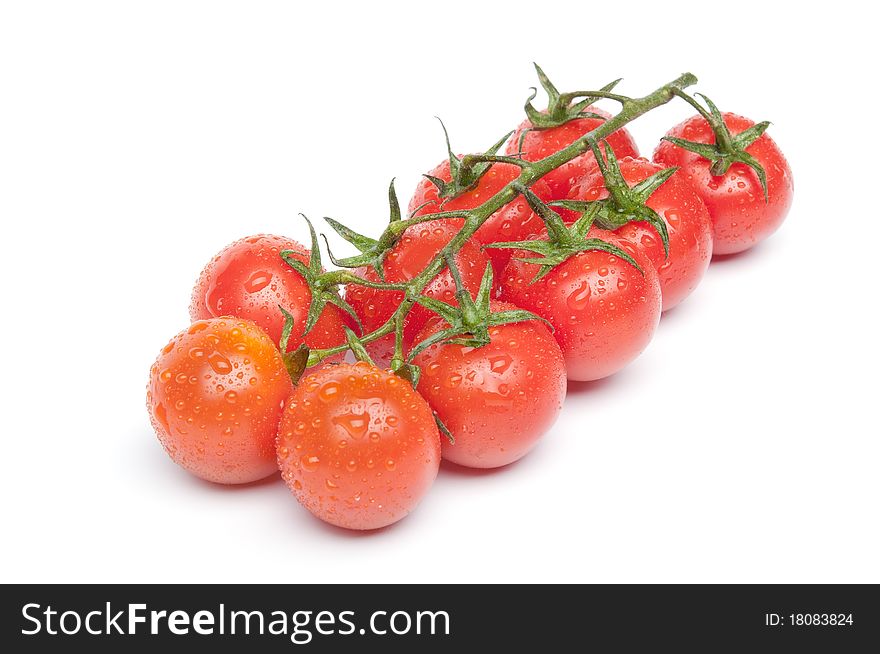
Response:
column 540, row 143
column 249, row 279
column 603, row 309
column 357, row 446
column 497, row 400
column 688, row 226
column 741, row 215
column 514, row 221
column 410, row 255
column 215, row 397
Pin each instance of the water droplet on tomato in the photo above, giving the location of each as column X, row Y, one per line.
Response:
column 499, row 364
column 354, row 424
column 579, row 298
column 219, row 363
column 258, row 280
column 329, row 391
column 196, row 353
column 161, row 416
column 309, row 462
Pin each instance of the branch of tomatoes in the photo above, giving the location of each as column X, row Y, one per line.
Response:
column 468, row 169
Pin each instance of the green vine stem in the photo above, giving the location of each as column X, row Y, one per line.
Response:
column 631, row 108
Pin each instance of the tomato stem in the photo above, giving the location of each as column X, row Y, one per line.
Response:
column 631, row 109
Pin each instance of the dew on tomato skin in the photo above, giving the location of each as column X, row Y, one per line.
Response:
column 580, row 297
column 329, row 391
column 297, row 484
column 354, row 424
column 161, row 416
column 309, row 463
column 219, row 363
column 498, row 364
column 453, row 380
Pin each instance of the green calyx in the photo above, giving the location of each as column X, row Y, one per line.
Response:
column 728, row 148
column 469, row 322
column 372, row 251
column 466, row 171
column 413, row 289
column 564, row 241
column 561, row 107
column 324, row 288
column 625, row 203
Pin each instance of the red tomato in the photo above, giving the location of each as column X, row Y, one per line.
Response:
column 687, row 221
column 409, row 256
column 741, row 218
column 249, row 279
column 497, row 400
column 515, row 221
column 358, row 446
column 541, row 143
column 215, row 398
column 603, row 310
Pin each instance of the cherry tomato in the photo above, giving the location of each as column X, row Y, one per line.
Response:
column 215, row 398
column 515, row 221
column 409, row 256
column 541, row 143
column 740, row 216
column 357, row 445
column 249, row 279
column 497, row 400
column 603, row 310
column 687, row 222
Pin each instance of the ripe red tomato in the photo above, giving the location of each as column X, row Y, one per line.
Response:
column 358, row 446
column 215, row 398
column 688, row 226
column 541, row 143
column 740, row 216
column 497, row 400
column 603, row 310
column 515, row 221
column 409, row 256
column 249, row 279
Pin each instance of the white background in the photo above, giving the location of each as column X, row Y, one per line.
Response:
column 136, row 139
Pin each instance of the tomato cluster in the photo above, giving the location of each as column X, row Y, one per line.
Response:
column 465, row 326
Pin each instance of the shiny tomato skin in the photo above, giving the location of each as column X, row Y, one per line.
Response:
column 541, row 143
column 249, row 279
column 603, row 310
column 357, row 446
column 515, row 221
column 409, row 256
column 215, row 397
column 735, row 200
column 497, row 400
column 687, row 222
